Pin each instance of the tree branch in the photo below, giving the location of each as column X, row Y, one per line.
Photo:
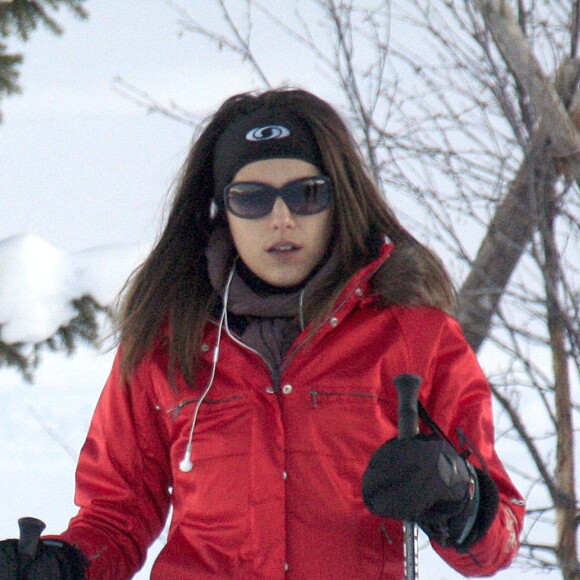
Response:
column 513, row 223
column 517, row 54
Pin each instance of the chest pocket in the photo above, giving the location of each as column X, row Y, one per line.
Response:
column 222, row 427
column 342, row 423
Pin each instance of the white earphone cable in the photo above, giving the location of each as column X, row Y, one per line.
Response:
column 186, row 463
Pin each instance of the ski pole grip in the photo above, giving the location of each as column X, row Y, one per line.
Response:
column 408, row 389
column 30, row 530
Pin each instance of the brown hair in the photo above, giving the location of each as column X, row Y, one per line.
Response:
column 172, row 286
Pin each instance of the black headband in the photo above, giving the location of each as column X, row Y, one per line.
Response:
column 268, row 133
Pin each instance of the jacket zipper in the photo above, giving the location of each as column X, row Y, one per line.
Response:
column 276, row 373
column 331, row 315
column 275, row 379
column 315, row 394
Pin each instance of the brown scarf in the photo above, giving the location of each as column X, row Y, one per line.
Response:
column 274, row 321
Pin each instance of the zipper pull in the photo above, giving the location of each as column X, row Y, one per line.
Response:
column 177, row 409
column 314, row 394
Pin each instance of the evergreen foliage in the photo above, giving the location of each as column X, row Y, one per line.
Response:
column 19, row 18
column 84, row 327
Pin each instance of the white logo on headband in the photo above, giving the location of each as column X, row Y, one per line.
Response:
column 268, row 132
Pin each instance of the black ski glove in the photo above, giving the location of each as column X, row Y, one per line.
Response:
column 54, row 560
column 423, row 479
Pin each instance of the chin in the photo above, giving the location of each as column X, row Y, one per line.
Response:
column 285, row 281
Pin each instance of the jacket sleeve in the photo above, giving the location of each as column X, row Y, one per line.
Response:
column 122, row 480
column 458, row 398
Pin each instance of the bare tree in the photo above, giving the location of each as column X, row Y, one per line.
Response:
column 467, row 111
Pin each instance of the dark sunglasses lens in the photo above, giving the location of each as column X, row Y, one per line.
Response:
column 249, row 200
column 307, row 196
column 254, row 200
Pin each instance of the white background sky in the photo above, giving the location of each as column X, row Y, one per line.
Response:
column 81, row 167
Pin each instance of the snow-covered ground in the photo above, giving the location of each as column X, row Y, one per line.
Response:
column 43, row 425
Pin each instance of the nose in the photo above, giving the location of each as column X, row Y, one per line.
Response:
column 281, row 216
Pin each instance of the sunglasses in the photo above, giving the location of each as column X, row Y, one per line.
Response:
column 252, row 200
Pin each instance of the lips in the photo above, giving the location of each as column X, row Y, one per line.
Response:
column 284, row 247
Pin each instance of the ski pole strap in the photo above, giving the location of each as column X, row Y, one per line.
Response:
column 428, row 420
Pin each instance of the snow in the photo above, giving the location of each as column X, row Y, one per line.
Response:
column 43, row 425
column 36, row 289
column 38, row 283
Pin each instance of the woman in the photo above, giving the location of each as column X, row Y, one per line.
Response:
column 254, row 379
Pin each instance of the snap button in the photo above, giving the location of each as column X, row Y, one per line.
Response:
column 270, row 390
column 204, row 347
column 358, row 292
column 287, row 389
column 286, row 567
column 284, row 475
column 333, row 321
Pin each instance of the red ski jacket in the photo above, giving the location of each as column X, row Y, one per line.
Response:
column 275, row 491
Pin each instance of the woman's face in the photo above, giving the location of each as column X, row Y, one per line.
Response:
column 281, row 248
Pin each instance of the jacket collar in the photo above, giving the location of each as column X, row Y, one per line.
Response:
column 359, row 286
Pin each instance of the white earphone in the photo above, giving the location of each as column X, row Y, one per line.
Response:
column 186, row 464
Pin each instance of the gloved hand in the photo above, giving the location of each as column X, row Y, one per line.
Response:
column 423, row 479
column 54, row 560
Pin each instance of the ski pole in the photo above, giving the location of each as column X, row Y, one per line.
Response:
column 30, row 530
column 407, row 390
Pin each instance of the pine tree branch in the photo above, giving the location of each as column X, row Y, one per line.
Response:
column 21, row 18
column 83, row 328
